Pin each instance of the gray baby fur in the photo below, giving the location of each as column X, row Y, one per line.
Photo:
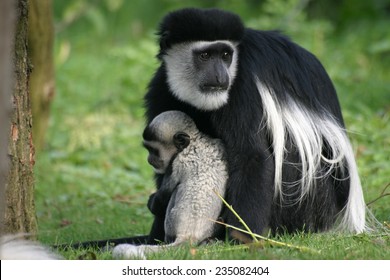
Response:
column 198, row 172
column 201, row 172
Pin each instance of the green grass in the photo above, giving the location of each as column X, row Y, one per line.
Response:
column 99, row 179
column 92, row 178
column 323, row 246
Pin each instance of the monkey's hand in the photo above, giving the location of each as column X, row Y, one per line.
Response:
column 158, row 201
column 153, row 204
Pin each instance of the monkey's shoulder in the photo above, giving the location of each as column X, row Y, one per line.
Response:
column 204, row 151
column 202, row 166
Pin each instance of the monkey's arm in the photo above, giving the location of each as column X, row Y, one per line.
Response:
column 249, row 191
column 158, row 204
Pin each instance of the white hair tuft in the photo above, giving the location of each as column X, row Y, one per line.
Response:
column 309, row 131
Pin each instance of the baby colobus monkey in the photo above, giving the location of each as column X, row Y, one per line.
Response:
column 194, row 168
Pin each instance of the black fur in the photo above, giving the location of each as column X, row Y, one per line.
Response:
column 104, row 243
column 291, row 72
column 190, row 24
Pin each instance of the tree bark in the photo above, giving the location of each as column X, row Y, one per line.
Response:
column 42, row 80
column 7, row 22
column 20, row 210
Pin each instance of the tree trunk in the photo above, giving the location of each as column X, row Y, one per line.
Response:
column 20, row 210
column 42, row 83
column 7, row 23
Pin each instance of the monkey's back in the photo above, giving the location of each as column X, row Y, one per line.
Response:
column 202, row 169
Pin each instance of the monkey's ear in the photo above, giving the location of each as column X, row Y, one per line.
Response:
column 181, row 140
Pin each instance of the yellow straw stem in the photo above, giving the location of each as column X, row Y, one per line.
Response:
column 278, row 243
column 254, row 235
column 238, row 217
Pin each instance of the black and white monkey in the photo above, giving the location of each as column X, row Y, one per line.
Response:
column 194, row 169
column 290, row 163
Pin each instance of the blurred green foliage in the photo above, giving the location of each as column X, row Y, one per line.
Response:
column 142, row 15
column 92, row 178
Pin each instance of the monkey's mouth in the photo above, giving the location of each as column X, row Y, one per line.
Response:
column 212, row 89
column 156, row 164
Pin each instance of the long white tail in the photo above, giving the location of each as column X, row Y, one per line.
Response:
column 310, row 131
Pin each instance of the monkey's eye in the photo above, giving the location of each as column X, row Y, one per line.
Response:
column 204, row 55
column 226, row 56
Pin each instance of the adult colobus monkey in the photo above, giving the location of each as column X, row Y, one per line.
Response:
column 194, row 169
column 291, row 165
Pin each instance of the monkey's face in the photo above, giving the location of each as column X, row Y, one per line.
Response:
column 160, row 155
column 201, row 73
column 166, row 136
